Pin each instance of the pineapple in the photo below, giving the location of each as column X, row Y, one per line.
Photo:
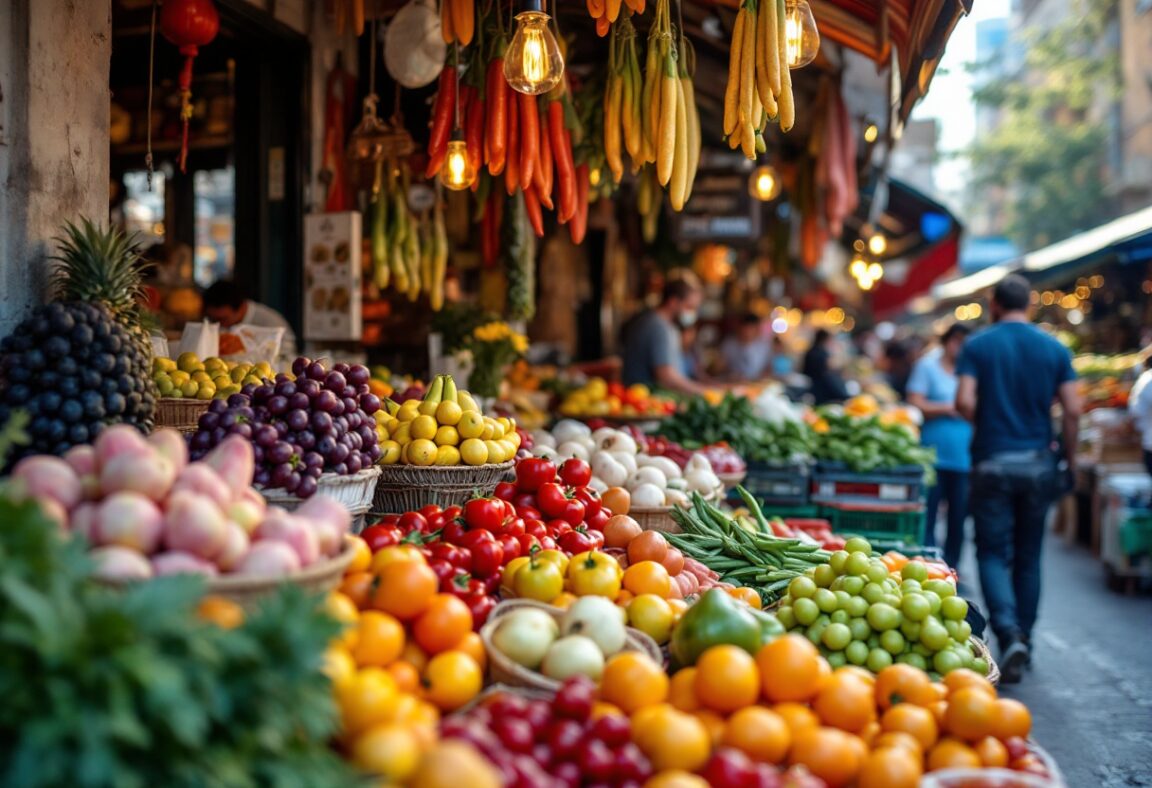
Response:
column 97, row 264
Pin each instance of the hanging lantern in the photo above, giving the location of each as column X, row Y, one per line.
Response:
column 189, row 25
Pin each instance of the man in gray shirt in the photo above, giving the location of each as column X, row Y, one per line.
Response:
column 652, row 350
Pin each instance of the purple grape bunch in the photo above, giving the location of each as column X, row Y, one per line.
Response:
column 321, row 422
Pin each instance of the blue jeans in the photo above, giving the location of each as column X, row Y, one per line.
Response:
column 951, row 487
column 1010, row 501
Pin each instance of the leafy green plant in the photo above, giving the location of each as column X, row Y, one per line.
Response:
column 734, row 421
column 104, row 687
column 868, row 444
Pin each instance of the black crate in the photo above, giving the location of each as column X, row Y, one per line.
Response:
column 778, row 485
column 838, row 484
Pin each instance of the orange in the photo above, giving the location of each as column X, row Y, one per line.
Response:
column 672, row 739
column 971, row 713
column 387, row 750
column 916, row 721
column 624, row 597
column 222, row 612
column 869, row 732
column 446, row 762
column 952, row 754
column 617, row 499
column 958, row 679
column 682, row 690
column 713, row 723
column 473, row 646
column 632, row 681
column 938, row 709
column 992, row 752
column 414, row 656
column 845, row 702
column 564, row 600
column 798, row 716
column 901, row 683
column 761, row 734
column 789, row 669
column 344, row 610
column 452, row 679
column 676, row 778
column 1010, row 718
column 727, row 678
column 406, row 676
column 405, row 588
column 396, row 554
column 901, row 740
column 647, row 577
column 746, row 595
column 379, row 640
column 443, row 624
column 368, row 699
column 829, row 753
column 890, row 767
column 648, row 546
column 361, row 555
column 358, row 587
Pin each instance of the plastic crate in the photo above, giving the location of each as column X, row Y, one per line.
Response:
column 838, row 484
column 808, row 512
column 1136, row 534
column 778, row 485
column 880, row 522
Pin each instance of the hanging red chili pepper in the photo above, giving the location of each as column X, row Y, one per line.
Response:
column 189, row 24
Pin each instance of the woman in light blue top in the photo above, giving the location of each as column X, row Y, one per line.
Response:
column 932, row 389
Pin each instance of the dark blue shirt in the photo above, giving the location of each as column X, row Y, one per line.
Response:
column 1018, row 371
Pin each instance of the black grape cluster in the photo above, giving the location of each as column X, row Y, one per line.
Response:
column 321, row 422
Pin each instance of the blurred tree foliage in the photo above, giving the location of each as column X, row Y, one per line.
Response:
column 1049, row 151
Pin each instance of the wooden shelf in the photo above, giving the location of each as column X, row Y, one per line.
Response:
column 171, row 146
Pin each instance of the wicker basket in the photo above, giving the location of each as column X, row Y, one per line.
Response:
column 180, row 413
column 656, row 518
column 503, row 670
column 981, row 649
column 248, row 590
column 353, row 491
column 406, row 488
column 1009, row 778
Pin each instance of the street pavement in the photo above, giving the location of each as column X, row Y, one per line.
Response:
column 1090, row 688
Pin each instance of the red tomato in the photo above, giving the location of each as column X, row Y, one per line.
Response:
column 444, row 571
column 380, row 536
column 529, row 513
column 527, row 543
column 597, row 538
column 453, row 532
column 430, row 510
column 457, row 556
column 511, row 546
column 481, row 607
column 575, row 541
column 535, row 528
column 533, row 473
column 486, row 513
column 573, row 512
column 479, row 536
column 505, row 491
column 552, row 500
column 452, row 512
column 487, row 558
column 524, row 501
column 547, row 543
column 591, row 500
column 575, row 472
column 513, row 526
column 492, row 585
column 597, row 521
column 557, row 528
column 413, row 521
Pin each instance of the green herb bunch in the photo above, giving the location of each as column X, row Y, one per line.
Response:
column 734, row 421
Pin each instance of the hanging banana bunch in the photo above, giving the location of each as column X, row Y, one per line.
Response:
column 759, row 86
column 623, row 121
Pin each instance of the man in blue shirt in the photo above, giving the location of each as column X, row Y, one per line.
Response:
column 653, row 355
column 1009, row 375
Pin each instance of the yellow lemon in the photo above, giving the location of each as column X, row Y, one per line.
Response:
column 165, row 387
column 495, row 451
column 474, row 452
column 206, row 391
column 402, row 435
column 391, row 423
column 165, row 364
column 423, row 427
column 447, row 436
column 391, row 452
column 421, row 452
column 448, row 413
column 188, row 362
column 200, row 376
column 508, row 449
column 221, row 382
column 189, row 388
column 447, row 455
column 498, row 431
column 513, row 437
column 652, row 615
column 471, row 425
column 388, row 750
column 409, row 410
column 264, row 369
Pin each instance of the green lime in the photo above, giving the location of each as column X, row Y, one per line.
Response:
column 873, row 593
column 873, row 641
column 953, row 608
column 882, row 617
column 857, row 564
column 836, row 636
column 934, row 636
column 839, row 617
column 857, row 606
column 910, row 629
column 815, row 633
column 857, row 652
column 980, row 665
column 838, row 583
column 878, row 659
column 858, row 544
column 933, row 601
column 837, row 660
column 922, row 650
column 786, row 617
column 946, row 661
column 805, row 611
column 910, row 587
column 915, row 607
column 877, row 572
column 836, row 561
column 915, row 570
column 801, row 587
column 823, row 575
column 825, row 600
column 892, row 600
column 860, row 629
column 942, row 588
column 842, row 599
column 892, row 642
column 854, row 585
column 913, row 659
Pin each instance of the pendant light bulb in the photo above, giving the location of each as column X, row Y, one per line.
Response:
column 801, row 38
column 764, row 183
column 533, row 63
column 457, row 172
column 877, row 244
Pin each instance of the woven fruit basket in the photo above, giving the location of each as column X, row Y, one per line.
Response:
column 406, row 488
column 655, row 518
column 180, row 413
column 998, row 777
column 503, row 670
column 354, row 492
column 980, row 648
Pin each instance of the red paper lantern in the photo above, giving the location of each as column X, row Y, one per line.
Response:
column 189, row 24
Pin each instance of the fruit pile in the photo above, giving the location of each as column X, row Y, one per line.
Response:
column 860, row 612
column 148, row 511
column 446, row 427
column 597, row 397
column 321, row 422
column 190, row 378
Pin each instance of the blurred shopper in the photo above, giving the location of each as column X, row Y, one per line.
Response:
column 1140, row 408
column 653, row 353
column 747, row 354
column 826, row 383
column 1009, row 375
column 781, row 359
column 228, row 304
column 898, row 362
column 932, row 389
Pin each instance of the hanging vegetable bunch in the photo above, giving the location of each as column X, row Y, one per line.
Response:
column 458, row 21
column 409, row 252
column 759, row 83
column 606, row 12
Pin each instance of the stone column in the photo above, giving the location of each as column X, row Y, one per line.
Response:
column 54, row 108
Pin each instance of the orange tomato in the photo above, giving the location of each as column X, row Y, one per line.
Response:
column 673, row 561
column 602, row 709
column 369, row 698
column 992, row 752
column 845, row 702
column 952, row 753
column 338, row 665
column 761, row 734
column 679, row 608
column 727, row 678
column 867, row 676
column 632, row 681
column 443, row 624
column 564, row 600
column 971, row 714
column 388, row 750
column 451, row 679
column 395, row 554
column 939, row 709
column 620, row 529
column 672, row 739
column 900, row 740
column 682, row 690
column 902, row 683
column 414, row 656
column 829, row 753
column 961, row 678
column 406, row 676
column 617, row 500
column 916, row 721
column 624, row 597
column 379, row 640
column 789, row 669
column 361, row 555
column 713, row 723
column 676, row 778
column 798, row 716
column 648, row 546
column 647, row 577
column 405, row 588
column 746, row 595
column 472, row 645
column 358, row 587
column 1011, row 718
column 890, row 767
column 344, row 610
column 869, row 732
column 220, row 611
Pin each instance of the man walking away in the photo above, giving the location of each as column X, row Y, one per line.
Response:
column 1009, row 375
column 1140, row 408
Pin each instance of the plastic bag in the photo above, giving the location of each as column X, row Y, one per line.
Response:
column 159, row 346
column 257, row 344
column 203, row 339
